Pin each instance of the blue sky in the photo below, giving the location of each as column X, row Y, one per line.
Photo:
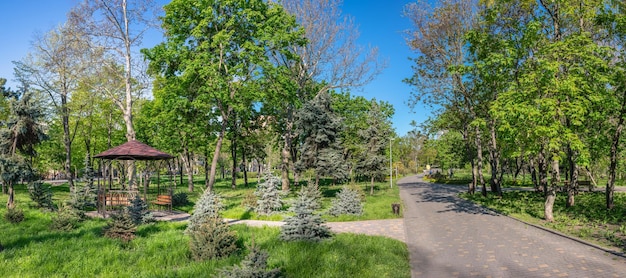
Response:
column 380, row 23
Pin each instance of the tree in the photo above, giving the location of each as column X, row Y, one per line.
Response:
column 373, row 158
column 60, row 60
column 330, row 59
column 219, row 48
column 319, row 129
column 22, row 131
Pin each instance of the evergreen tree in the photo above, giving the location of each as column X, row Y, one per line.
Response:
column 207, row 207
column 312, row 196
column 139, row 212
column 121, row 226
column 269, row 199
column 321, row 148
column 305, row 224
column 347, row 201
column 84, row 197
column 65, row 219
column 41, row 194
column 373, row 159
column 254, row 266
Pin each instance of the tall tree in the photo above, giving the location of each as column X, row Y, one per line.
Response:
column 319, row 128
column 373, row 158
column 331, row 59
column 220, row 48
column 60, row 59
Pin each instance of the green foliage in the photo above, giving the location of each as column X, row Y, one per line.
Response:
column 83, row 197
column 253, row 266
column 208, row 207
column 211, row 239
column 66, row 218
column 373, row 160
column 249, row 201
column 347, row 201
column 180, row 199
column 14, row 215
column 319, row 128
column 311, row 196
column 268, row 195
column 305, row 224
column 120, row 226
column 139, row 212
column 41, row 195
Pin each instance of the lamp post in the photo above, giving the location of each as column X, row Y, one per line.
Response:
column 390, row 164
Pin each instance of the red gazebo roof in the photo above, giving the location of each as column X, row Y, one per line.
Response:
column 133, row 150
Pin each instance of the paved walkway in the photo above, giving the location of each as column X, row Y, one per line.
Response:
column 451, row 237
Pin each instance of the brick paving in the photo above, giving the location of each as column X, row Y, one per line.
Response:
column 451, row 237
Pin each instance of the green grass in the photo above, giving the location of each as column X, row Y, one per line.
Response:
column 588, row 219
column 161, row 250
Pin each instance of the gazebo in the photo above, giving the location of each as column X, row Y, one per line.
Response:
column 126, row 155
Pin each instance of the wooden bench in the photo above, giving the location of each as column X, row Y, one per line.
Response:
column 164, row 200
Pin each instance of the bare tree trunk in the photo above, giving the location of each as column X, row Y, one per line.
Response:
column 372, row 185
column 233, row 153
column 479, row 161
column 188, row 163
column 284, row 165
column 533, row 174
column 572, row 185
column 472, row 186
column 610, row 185
column 551, row 192
column 245, row 167
column 216, row 155
column 67, row 141
column 11, row 199
column 494, row 160
column 543, row 171
column 206, row 168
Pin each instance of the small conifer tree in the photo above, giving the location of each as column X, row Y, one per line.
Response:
column 313, row 196
column 121, row 226
column 253, row 266
column 269, row 198
column 347, row 201
column 84, row 197
column 210, row 237
column 139, row 212
column 41, row 194
column 65, row 219
column 305, row 224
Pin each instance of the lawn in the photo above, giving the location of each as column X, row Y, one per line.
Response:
column 32, row 249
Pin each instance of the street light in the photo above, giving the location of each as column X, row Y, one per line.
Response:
column 390, row 164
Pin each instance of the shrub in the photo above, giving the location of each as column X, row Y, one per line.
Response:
column 347, row 201
column 312, row 196
column 14, row 215
column 269, row 198
column 41, row 195
column 211, row 239
column 304, row 225
column 208, row 206
column 139, row 212
column 249, row 200
column 253, row 266
column 121, row 226
column 180, row 199
column 65, row 219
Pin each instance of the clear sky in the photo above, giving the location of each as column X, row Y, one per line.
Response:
column 380, row 23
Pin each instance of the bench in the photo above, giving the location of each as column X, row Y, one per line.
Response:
column 113, row 200
column 164, row 200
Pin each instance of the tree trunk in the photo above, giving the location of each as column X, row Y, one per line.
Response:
column 245, row 167
column 67, row 142
column 572, row 186
column 542, row 171
column 494, row 155
column 216, row 155
column 206, row 168
column 11, row 199
column 479, row 161
column 551, row 192
column 187, row 161
column 372, row 185
column 284, row 165
column 471, row 187
column 610, row 184
column 233, row 153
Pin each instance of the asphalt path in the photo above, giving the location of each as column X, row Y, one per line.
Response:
column 450, row 237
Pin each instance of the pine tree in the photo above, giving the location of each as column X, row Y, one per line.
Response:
column 373, row 160
column 65, row 219
column 312, row 196
column 321, row 149
column 305, row 224
column 254, row 266
column 347, row 201
column 121, row 226
column 209, row 236
column 269, row 199
column 139, row 212
column 41, row 195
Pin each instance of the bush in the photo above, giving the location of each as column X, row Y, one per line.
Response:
column 41, row 195
column 269, row 198
column 121, row 226
column 208, row 206
column 211, row 239
column 65, row 219
column 139, row 212
column 83, row 198
column 14, row 215
column 347, row 201
column 249, row 200
column 180, row 199
column 304, row 225
column 253, row 266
